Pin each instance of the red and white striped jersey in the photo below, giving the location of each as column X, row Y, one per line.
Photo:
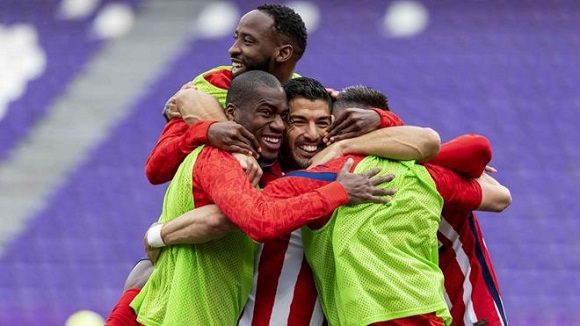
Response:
column 471, row 286
column 284, row 292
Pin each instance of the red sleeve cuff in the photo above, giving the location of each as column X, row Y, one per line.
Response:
column 196, row 135
column 388, row 118
column 334, row 193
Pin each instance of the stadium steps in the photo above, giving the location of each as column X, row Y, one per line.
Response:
column 94, row 102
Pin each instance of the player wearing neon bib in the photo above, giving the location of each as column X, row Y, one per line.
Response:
column 471, row 286
column 351, row 283
column 424, row 260
column 472, row 195
column 272, row 38
column 374, row 263
column 188, row 280
column 283, row 287
column 171, row 296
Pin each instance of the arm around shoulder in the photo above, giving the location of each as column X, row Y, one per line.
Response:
column 398, row 143
column 494, row 196
column 175, row 143
column 195, row 105
column 200, row 225
column 262, row 215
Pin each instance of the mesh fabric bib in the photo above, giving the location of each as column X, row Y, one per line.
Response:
column 204, row 284
column 377, row 262
column 219, row 93
column 203, row 85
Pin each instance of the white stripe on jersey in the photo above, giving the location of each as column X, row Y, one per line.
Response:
column 287, row 281
column 463, row 261
column 246, row 318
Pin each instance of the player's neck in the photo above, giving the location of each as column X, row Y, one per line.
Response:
column 284, row 73
column 288, row 164
column 266, row 164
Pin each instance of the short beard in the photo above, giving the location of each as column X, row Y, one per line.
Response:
column 300, row 164
column 264, row 66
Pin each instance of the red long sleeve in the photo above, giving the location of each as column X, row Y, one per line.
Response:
column 467, row 155
column 262, row 215
column 389, row 119
column 457, row 191
column 176, row 141
column 122, row 314
column 313, row 178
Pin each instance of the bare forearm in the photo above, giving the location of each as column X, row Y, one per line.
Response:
column 197, row 226
column 495, row 196
column 196, row 105
column 398, row 143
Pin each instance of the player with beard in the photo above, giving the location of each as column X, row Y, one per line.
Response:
column 185, row 230
column 208, row 284
column 272, row 38
column 349, row 306
column 310, row 117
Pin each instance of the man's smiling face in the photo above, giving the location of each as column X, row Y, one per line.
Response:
column 264, row 118
column 308, row 121
column 255, row 43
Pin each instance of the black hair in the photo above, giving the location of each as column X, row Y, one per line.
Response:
column 307, row 88
column 244, row 86
column 361, row 96
column 289, row 24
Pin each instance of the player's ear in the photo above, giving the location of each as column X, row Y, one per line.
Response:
column 283, row 53
column 231, row 111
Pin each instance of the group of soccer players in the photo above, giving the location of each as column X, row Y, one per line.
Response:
column 407, row 251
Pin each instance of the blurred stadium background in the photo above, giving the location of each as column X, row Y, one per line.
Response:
column 82, row 84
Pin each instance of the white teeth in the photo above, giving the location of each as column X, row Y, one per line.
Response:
column 236, row 64
column 309, row 148
column 272, row 140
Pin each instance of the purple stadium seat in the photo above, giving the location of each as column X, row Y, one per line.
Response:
column 507, row 70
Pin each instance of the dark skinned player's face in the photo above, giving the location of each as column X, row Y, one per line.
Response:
column 264, row 117
column 308, row 122
column 254, row 43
